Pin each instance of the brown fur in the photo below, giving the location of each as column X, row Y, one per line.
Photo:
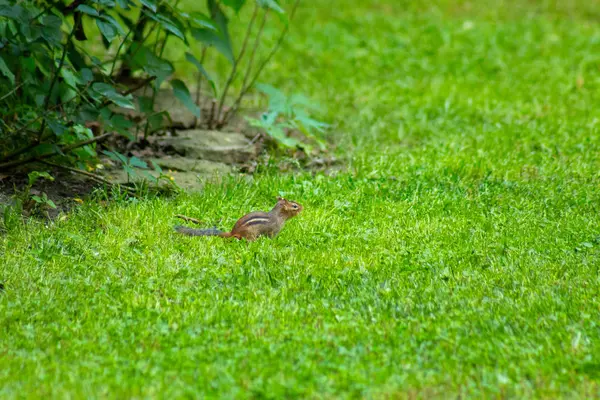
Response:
column 255, row 224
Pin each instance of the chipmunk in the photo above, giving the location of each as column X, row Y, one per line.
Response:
column 253, row 225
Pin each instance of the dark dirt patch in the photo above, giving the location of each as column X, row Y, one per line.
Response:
column 63, row 191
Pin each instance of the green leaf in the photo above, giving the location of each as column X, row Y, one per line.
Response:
column 85, row 153
column 70, row 78
column 158, row 120
column 75, row 57
column 106, row 3
column 86, row 75
column 35, row 175
column 124, row 4
column 214, row 39
column 108, row 18
column 194, row 60
column 130, row 171
column 28, row 64
column 11, row 12
column 153, row 65
column 145, row 104
column 181, row 91
column 46, row 148
column 137, row 163
column 103, row 88
column 82, row 132
column 221, row 21
column 271, row 4
column 122, row 125
column 277, row 133
column 149, row 4
column 150, row 177
column 122, row 101
column 107, row 29
column 116, row 156
column 57, row 127
column 51, row 31
column 156, row 167
column 50, row 203
column 88, row 10
column 170, row 26
column 277, row 99
column 6, row 72
column 201, row 20
column 110, row 93
column 167, row 24
column 235, row 4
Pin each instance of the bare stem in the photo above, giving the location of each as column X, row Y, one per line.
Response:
column 13, row 91
column 236, row 63
column 155, row 91
column 112, row 69
column 256, row 44
column 248, row 68
column 94, row 177
column 247, row 88
column 199, row 83
column 55, row 78
column 64, row 149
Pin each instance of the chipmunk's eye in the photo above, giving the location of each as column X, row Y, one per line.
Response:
column 295, row 206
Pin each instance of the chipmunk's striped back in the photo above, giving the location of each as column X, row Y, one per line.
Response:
column 253, row 225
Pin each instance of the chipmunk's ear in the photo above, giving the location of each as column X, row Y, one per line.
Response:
column 280, row 199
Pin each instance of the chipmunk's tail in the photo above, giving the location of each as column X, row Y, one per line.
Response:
column 201, row 232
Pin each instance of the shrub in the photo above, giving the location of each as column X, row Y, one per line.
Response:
column 58, row 99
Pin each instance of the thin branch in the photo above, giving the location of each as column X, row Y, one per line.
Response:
column 14, row 90
column 211, row 116
column 64, row 149
column 236, row 62
column 246, row 89
column 256, row 43
column 199, row 83
column 94, row 177
column 112, row 69
column 20, row 151
column 155, row 91
column 55, row 78
column 248, row 69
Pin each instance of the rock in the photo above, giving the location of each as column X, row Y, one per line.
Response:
column 225, row 147
column 183, row 164
column 187, row 173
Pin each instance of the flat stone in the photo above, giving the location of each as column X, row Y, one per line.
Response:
column 224, row 147
column 183, row 164
column 190, row 180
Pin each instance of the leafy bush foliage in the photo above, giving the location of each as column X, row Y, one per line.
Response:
column 57, row 98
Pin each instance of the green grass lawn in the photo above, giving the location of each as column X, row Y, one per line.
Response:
column 458, row 255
